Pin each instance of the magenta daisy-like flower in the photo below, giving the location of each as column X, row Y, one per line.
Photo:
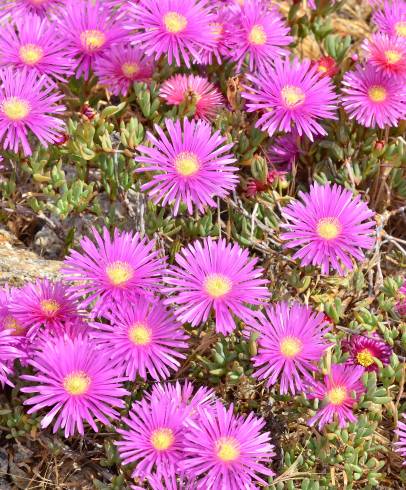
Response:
column 260, row 34
column 339, row 391
column 285, row 151
column 33, row 43
column 226, row 451
column 43, row 304
column 20, row 8
column 221, row 27
column 188, row 88
column 213, row 276
column 290, row 344
column 7, row 320
column 27, row 102
column 178, row 29
column 292, row 95
column 89, row 29
column 120, row 66
column 330, row 226
column 185, row 395
column 9, row 352
column 192, row 166
column 374, row 98
column 142, row 338
column 401, row 303
column 391, row 19
column 364, row 350
column 113, row 270
column 387, row 54
column 76, row 382
column 168, row 482
column 154, row 437
column 400, row 445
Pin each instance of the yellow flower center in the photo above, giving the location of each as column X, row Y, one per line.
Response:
column 290, row 346
column 328, row 228
column 400, row 28
column 217, row 30
column 15, row 109
column 293, row 96
column 228, row 449
column 187, row 164
column 365, row 358
column 337, row 395
column 322, row 68
column 175, row 22
column 76, row 383
column 377, row 93
column 217, row 285
column 119, row 272
column 92, row 39
column 49, row 306
column 130, row 69
column 10, row 323
column 257, row 35
column 392, row 56
column 30, row 54
column 140, row 334
column 162, row 439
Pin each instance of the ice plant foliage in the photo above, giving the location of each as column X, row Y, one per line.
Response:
column 35, row 44
column 330, row 226
column 290, row 344
column 179, row 29
column 374, row 98
column 365, row 351
column 340, row 391
column 215, row 277
column 142, row 338
column 192, row 165
column 75, row 383
column 89, row 29
column 292, row 95
column 112, row 270
column 226, row 451
column 192, row 89
column 120, row 66
column 28, row 103
column 259, row 33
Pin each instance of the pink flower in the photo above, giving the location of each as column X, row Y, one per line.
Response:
column 259, row 33
column 76, row 382
column 215, row 277
column 227, row 452
column 35, row 44
column 9, row 352
column 89, row 29
column 178, row 29
column 27, row 102
column 113, row 270
column 290, row 344
column 121, row 66
column 364, row 350
column 292, row 97
column 142, row 338
column 374, row 98
column 387, row 54
column 193, row 89
column 191, row 167
column 339, row 391
column 329, row 226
